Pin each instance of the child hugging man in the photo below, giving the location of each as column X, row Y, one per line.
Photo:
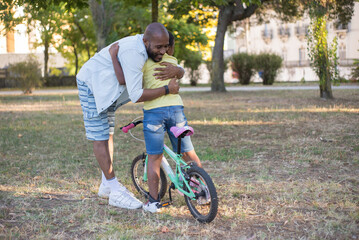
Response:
column 160, row 115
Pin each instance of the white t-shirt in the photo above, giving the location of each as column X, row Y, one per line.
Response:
column 99, row 75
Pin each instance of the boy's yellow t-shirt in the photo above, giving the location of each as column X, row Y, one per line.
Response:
column 150, row 82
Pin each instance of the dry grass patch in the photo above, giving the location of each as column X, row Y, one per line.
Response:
column 285, row 164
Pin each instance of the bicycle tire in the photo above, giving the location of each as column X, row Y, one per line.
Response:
column 137, row 171
column 201, row 183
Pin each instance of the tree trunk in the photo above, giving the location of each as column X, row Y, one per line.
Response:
column 46, row 57
column 234, row 11
column 76, row 59
column 217, row 73
column 101, row 15
column 85, row 38
column 325, row 85
column 154, row 10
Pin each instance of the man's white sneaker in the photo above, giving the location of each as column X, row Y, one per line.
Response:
column 104, row 191
column 151, row 207
column 123, row 200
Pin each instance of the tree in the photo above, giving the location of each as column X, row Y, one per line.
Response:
column 114, row 19
column 7, row 7
column 78, row 41
column 102, row 15
column 46, row 16
column 323, row 55
column 47, row 21
column 154, row 10
column 188, row 41
column 228, row 12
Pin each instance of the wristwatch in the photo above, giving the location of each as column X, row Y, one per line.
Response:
column 167, row 90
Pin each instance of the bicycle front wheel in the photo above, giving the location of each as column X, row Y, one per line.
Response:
column 205, row 205
column 141, row 184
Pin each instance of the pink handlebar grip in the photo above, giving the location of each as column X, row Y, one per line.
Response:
column 128, row 127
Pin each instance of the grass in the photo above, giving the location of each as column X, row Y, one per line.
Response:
column 285, row 164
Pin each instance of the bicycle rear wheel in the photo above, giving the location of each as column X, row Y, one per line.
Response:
column 205, row 206
column 137, row 172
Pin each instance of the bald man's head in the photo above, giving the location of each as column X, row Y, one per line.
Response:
column 155, row 30
column 156, row 40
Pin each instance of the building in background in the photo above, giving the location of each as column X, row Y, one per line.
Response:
column 288, row 40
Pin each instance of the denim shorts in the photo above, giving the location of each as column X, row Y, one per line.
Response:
column 98, row 126
column 157, row 121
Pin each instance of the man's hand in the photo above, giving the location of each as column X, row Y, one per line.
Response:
column 114, row 50
column 173, row 86
column 169, row 71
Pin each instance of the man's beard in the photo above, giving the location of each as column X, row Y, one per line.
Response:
column 151, row 54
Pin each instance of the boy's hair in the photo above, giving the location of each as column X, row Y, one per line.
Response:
column 171, row 38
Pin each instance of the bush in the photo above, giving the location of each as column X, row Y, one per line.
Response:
column 26, row 74
column 193, row 62
column 355, row 71
column 268, row 65
column 244, row 65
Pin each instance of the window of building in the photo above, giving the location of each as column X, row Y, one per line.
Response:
column 302, row 55
column 342, row 51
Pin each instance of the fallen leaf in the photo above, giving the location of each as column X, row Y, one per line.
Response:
column 164, row 229
column 37, row 177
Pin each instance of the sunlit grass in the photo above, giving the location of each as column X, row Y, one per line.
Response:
column 285, row 165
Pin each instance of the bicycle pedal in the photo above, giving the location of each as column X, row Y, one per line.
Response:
column 165, row 204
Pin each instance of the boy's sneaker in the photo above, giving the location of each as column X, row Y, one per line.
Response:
column 124, row 200
column 104, row 191
column 151, row 207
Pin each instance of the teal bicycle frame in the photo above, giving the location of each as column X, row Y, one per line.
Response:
column 175, row 178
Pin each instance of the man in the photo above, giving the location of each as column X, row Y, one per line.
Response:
column 101, row 94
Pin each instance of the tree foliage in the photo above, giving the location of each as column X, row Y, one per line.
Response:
column 78, row 42
column 7, row 8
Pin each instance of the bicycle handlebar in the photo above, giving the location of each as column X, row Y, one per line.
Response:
column 129, row 126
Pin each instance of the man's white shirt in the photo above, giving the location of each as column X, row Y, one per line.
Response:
column 99, row 75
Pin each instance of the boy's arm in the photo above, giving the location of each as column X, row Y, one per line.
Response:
column 170, row 71
column 116, row 64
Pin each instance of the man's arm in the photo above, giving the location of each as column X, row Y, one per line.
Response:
column 116, row 64
column 132, row 63
column 169, row 71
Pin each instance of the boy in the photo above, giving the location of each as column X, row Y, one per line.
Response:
column 160, row 115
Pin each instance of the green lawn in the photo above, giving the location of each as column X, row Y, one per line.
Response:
column 285, row 164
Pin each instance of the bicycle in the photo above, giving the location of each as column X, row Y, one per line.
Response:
column 191, row 181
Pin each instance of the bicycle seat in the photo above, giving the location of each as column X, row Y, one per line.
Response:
column 182, row 131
